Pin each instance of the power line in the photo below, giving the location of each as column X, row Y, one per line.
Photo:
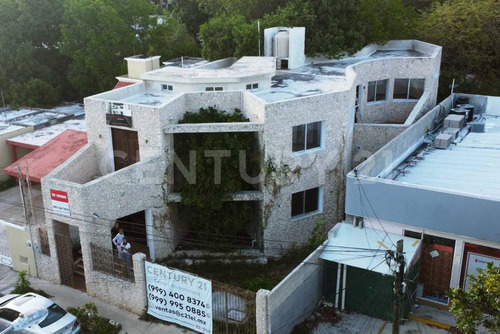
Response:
column 161, row 237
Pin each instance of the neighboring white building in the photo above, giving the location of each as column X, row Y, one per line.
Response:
column 350, row 107
column 437, row 182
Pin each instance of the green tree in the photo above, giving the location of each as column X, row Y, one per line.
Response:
column 228, row 36
column 29, row 53
column 480, row 305
column 170, row 39
column 384, row 20
column 97, row 35
column 332, row 26
column 250, row 9
column 468, row 31
column 190, row 14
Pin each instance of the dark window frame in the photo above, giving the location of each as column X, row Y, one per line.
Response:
column 376, row 94
column 303, row 141
column 409, row 95
column 307, row 202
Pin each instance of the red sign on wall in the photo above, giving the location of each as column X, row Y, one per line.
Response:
column 60, row 203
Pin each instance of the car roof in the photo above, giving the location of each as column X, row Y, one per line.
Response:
column 27, row 302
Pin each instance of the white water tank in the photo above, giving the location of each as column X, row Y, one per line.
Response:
column 281, row 44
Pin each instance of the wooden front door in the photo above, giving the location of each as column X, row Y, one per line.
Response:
column 125, row 148
column 64, row 254
column 435, row 272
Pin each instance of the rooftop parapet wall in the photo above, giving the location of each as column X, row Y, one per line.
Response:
column 397, row 147
column 95, row 196
column 81, row 168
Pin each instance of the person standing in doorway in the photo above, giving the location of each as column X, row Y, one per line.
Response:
column 118, row 240
column 114, row 231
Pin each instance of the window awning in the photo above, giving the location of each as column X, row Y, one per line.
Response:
column 49, row 156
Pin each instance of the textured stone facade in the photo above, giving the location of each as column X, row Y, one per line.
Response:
column 98, row 195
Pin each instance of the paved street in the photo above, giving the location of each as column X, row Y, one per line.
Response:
column 66, row 296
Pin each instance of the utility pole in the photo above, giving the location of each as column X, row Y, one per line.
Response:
column 398, row 283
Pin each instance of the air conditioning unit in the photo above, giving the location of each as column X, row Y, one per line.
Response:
column 454, row 132
column 443, row 140
column 478, row 127
column 454, row 121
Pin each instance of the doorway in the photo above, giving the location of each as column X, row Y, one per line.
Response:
column 435, row 267
column 69, row 254
column 125, row 147
column 135, row 228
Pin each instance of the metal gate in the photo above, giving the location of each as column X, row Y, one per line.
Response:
column 233, row 309
column 5, row 257
column 65, row 256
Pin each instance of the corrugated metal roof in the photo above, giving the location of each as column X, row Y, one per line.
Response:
column 470, row 166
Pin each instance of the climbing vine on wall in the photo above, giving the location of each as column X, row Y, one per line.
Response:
column 205, row 201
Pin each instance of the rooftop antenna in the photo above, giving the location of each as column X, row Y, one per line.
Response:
column 452, row 88
column 258, row 30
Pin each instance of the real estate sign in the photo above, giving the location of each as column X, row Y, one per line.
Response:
column 179, row 297
column 60, row 204
column 475, row 262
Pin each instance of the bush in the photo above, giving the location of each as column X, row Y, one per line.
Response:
column 24, row 286
column 91, row 322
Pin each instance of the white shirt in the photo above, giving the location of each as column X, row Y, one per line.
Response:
column 118, row 239
column 123, row 247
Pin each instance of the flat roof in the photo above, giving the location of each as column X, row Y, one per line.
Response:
column 42, row 136
column 323, row 76
column 470, row 166
column 150, row 98
column 48, row 157
column 7, row 128
column 366, row 248
column 244, row 67
column 35, row 116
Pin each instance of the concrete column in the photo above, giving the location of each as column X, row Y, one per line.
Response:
column 456, row 268
column 262, row 312
column 140, row 279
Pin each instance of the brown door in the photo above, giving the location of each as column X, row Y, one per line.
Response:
column 435, row 271
column 125, row 148
column 64, row 253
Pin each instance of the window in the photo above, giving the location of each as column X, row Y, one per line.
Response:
column 308, row 201
column 307, row 136
column 55, row 313
column 211, row 89
column 167, row 87
column 408, row 89
column 377, row 90
column 254, row 86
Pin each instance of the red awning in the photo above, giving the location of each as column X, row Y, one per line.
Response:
column 121, row 84
column 49, row 156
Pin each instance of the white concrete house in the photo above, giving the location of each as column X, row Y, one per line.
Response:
column 316, row 117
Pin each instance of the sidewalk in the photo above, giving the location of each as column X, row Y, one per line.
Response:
column 65, row 296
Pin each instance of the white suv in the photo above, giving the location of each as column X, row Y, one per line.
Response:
column 58, row 321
